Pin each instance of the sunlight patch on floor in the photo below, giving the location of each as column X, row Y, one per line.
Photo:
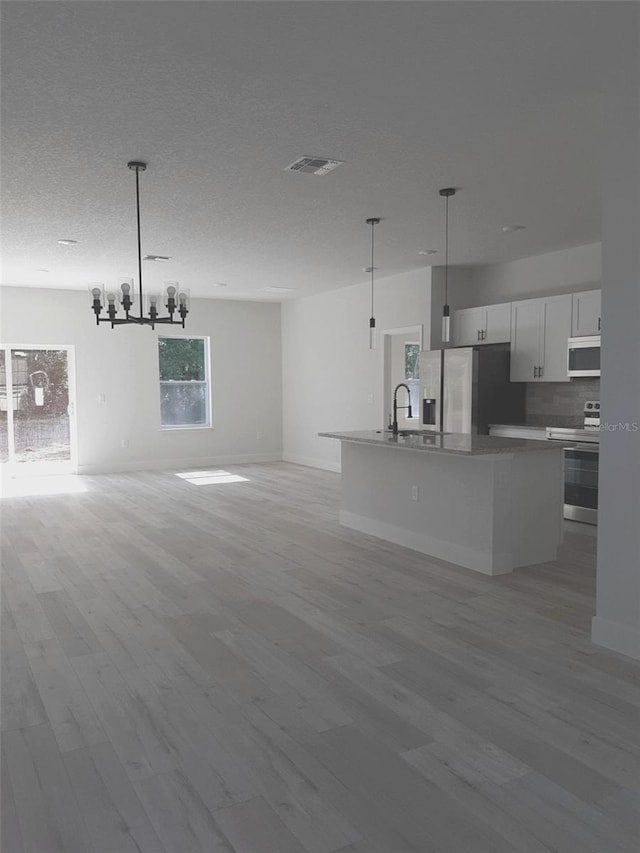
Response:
column 211, row 478
column 55, row 484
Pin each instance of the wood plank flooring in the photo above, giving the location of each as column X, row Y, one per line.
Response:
column 193, row 669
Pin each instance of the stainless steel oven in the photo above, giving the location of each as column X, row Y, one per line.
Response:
column 583, row 356
column 581, row 448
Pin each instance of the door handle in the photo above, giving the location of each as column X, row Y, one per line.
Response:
column 540, row 372
column 478, row 337
column 599, row 323
column 484, row 334
column 535, row 372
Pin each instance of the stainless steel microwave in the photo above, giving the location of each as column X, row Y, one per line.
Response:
column 583, row 356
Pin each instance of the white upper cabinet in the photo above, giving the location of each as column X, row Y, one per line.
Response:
column 540, row 329
column 556, row 331
column 585, row 314
column 488, row 324
column 497, row 324
column 526, row 350
column 467, row 326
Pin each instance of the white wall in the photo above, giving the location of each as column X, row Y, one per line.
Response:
column 331, row 379
column 565, row 271
column 122, row 365
column 617, row 621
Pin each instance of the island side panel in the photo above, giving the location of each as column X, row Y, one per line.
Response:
column 476, row 511
column 528, row 506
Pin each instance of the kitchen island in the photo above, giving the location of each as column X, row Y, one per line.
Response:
column 486, row 503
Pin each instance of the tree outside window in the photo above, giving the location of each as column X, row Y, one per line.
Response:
column 412, row 374
column 184, row 382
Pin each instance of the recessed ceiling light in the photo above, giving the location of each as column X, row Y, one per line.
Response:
column 278, row 289
column 508, row 228
column 427, row 251
column 67, row 242
column 39, row 270
column 159, row 258
column 220, row 284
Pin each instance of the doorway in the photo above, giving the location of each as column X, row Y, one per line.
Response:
column 402, row 347
column 37, row 410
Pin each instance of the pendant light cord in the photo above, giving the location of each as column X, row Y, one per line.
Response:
column 139, row 240
column 446, row 252
column 373, row 225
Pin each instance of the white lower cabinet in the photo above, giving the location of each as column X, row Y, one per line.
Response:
column 540, row 330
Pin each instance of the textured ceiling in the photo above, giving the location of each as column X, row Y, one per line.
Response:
column 499, row 99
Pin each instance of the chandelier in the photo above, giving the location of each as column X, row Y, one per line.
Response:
column 174, row 300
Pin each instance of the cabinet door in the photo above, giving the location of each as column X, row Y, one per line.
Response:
column 526, row 335
column 556, row 333
column 497, row 324
column 467, row 325
column 585, row 318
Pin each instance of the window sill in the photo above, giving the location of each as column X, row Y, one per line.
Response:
column 185, row 426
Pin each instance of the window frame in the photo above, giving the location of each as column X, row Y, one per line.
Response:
column 206, row 382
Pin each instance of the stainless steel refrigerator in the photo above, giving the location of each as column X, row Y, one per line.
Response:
column 465, row 389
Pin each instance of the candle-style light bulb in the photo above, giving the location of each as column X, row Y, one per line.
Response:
column 446, row 325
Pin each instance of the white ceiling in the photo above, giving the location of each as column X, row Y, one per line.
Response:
column 499, row 99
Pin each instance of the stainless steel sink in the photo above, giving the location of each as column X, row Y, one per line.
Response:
column 422, row 432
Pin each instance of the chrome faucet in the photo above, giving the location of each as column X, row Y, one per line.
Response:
column 394, row 426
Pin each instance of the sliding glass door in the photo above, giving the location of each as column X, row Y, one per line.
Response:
column 37, row 423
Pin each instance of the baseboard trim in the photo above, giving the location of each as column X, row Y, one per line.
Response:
column 468, row 558
column 615, row 636
column 188, row 462
column 312, row 462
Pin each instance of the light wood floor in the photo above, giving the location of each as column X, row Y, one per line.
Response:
column 193, row 669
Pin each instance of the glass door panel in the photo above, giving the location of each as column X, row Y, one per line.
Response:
column 4, row 411
column 36, row 430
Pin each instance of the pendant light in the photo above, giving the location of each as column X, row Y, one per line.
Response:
column 373, row 221
column 447, row 192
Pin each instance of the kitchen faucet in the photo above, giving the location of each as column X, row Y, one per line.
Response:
column 394, row 426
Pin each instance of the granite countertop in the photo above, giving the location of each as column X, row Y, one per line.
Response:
column 458, row 443
column 519, row 426
column 555, row 422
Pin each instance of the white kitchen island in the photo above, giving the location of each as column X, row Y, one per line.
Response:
column 487, row 503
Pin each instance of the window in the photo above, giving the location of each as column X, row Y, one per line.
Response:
column 184, row 382
column 412, row 374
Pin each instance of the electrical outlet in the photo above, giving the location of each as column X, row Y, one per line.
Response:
column 102, row 398
column 259, row 435
column 370, row 398
column 415, row 493
column 125, row 443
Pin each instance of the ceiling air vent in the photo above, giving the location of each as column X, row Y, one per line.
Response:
column 313, row 165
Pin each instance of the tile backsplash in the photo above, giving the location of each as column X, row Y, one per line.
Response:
column 560, row 403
